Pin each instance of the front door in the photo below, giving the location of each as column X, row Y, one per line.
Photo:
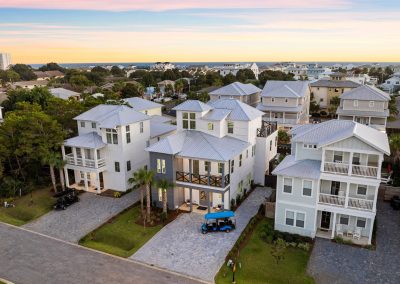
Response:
column 325, row 220
column 203, row 198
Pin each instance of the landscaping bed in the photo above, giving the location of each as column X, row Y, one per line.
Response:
column 255, row 261
column 121, row 235
column 27, row 208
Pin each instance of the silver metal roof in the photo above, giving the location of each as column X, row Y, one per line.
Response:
column 89, row 140
column 63, row 93
column 302, row 168
column 366, row 93
column 140, row 104
column 193, row 105
column 217, row 114
column 236, row 89
column 158, row 129
column 295, row 109
column 239, row 110
column 384, row 113
column 198, row 145
column 285, row 89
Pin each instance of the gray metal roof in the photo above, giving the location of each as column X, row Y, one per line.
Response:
column 217, row 114
column 63, row 93
column 384, row 113
column 332, row 131
column 302, row 168
column 295, row 109
column 193, row 105
column 89, row 140
column 199, row 145
column 236, row 89
column 239, row 110
column 140, row 104
column 160, row 119
column 335, row 84
column 285, row 89
column 366, row 93
column 158, row 129
column 111, row 116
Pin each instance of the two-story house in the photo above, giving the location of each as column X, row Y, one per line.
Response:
column 219, row 149
column 110, row 145
column 328, row 186
column 367, row 105
column 324, row 90
column 392, row 84
column 246, row 93
column 286, row 102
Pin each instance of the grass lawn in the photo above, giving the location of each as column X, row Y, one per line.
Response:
column 121, row 235
column 258, row 266
column 25, row 211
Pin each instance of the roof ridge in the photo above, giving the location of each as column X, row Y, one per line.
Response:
column 210, row 144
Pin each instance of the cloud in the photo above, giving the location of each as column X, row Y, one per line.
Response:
column 163, row 5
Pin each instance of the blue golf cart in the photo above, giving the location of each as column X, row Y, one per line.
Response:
column 219, row 222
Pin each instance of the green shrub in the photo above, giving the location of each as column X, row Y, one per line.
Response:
column 117, row 194
column 304, row 246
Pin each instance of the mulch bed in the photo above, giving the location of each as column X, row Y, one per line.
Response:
column 156, row 217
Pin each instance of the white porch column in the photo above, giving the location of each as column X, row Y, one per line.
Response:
column 83, row 157
column 66, row 177
column 98, row 183
column 270, row 116
column 96, row 159
column 333, row 225
column 371, row 229
column 85, row 181
column 318, row 190
column 379, row 172
column 74, row 154
column 63, row 151
column 283, row 117
column 369, row 120
column 350, row 171
column 346, row 201
column 375, row 198
column 323, row 159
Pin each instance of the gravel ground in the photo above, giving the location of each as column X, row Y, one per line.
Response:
column 82, row 217
column 181, row 247
column 336, row 263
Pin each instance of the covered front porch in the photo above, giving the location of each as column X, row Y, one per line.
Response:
column 356, row 229
column 85, row 181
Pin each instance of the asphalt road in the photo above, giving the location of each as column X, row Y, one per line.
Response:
column 28, row 258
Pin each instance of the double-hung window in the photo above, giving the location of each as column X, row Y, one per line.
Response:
column 82, row 124
column 307, row 187
column 290, row 218
column 93, row 124
column 295, row 219
column 141, row 127
column 112, row 136
column 220, row 165
column 344, row 220
column 361, row 223
column 128, row 165
column 161, row 166
column 128, row 134
column 207, row 166
column 117, row 167
column 240, row 160
column 230, row 127
column 287, row 185
column 232, row 166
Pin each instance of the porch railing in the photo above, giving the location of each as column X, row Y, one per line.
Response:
column 358, row 203
column 210, row 180
column 331, row 199
column 90, row 163
column 339, row 168
column 365, row 171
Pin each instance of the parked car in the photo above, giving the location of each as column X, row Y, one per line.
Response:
column 219, row 222
column 65, row 198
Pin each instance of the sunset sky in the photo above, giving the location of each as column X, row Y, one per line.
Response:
column 67, row 31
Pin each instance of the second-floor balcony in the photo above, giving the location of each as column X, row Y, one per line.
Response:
column 207, row 180
column 84, row 162
column 267, row 129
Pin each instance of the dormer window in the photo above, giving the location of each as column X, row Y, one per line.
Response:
column 371, row 104
column 210, row 126
column 355, row 103
column 230, row 127
column 189, row 120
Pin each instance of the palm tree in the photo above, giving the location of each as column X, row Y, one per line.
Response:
column 143, row 177
column 60, row 166
column 51, row 160
column 394, row 141
column 165, row 185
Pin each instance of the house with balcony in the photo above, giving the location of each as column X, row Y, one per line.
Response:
column 328, row 186
column 110, row 145
column 219, row 150
column 246, row 93
column 366, row 105
column 286, row 102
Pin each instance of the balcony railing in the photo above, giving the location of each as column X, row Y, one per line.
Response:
column 332, row 199
column 358, row 203
column 267, row 129
column 365, row 171
column 338, row 168
column 89, row 163
column 210, row 180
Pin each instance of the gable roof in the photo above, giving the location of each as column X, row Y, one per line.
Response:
column 111, row 116
column 140, row 104
column 285, row 89
column 302, row 168
column 366, row 93
column 193, row 105
column 238, row 110
column 331, row 131
column 63, row 93
column 335, row 84
column 199, row 145
column 236, row 89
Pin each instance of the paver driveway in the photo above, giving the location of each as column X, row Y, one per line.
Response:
column 29, row 258
column 334, row 263
column 181, row 247
column 82, row 217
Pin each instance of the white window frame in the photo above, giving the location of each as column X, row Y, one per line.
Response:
column 117, row 167
column 346, row 217
column 361, row 219
column 240, row 160
column 161, row 169
column 128, row 166
column 366, row 189
column 94, row 125
column 210, row 126
column 128, row 134
column 230, row 129
column 295, row 212
column 112, row 136
column 302, row 188
column 283, row 186
column 160, row 193
column 141, row 125
column 189, row 120
column 82, row 124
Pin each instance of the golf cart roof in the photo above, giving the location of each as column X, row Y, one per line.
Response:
column 219, row 215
